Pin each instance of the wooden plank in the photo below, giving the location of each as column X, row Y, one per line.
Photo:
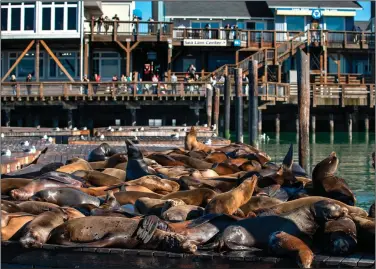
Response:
column 367, row 261
column 56, row 60
column 334, row 261
column 18, row 60
column 352, row 260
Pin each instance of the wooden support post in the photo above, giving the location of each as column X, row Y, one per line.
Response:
column 227, row 106
column 169, row 61
column 277, row 124
column 259, row 127
column 128, row 60
column 366, row 123
column 239, row 104
column 86, row 59
column 18, row 60
column 52, row 55
column 7, row 117
column 37, row 61
column 133, row 115
column 321, row 68
column 209, row 105
column 70, row 118
column 253, row 102
column 339, row 67
column 279, row 73
column 331, row 123
column 350, row 123
column 313, row 124
column 303, row 107
column 237, row 57
column 216, row 109
column 325, row 64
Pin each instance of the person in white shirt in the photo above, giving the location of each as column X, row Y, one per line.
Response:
column 174, row 80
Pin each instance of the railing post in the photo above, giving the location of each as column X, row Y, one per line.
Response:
column 345, row 39
column 18, row 89
column 65, row 90
column 362, row 40
column 115, row 30
column 182, row 89
column 92, row 28
column 41, row 90
column 90, row 89
column 275, row 39
column 313, row 87
column 262, row 40
column 342, row 95
column 249, row 39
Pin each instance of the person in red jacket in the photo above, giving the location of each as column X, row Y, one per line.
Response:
column 97, row 78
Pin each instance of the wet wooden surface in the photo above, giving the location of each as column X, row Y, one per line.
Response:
column 33, row 131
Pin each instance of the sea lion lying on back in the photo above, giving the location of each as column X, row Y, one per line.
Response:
column 325, row 183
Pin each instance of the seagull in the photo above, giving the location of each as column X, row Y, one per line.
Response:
column 208, row 142
column 6, row 153
column 184, row 124
column 120, row 129
column 205, row 125
column 38, row 127
column 82, row 137
column 135, row 138
column 56, row 129
column 175, row 136
column 142, row 129
column 25, row 143
column 112, row 130
column 136, row 130
column 101, row 137
column 109, row 128
column 85, row 128
column 45, row 137
column 50, row 139
column 214, row 127
column 2, row 135
column 75, row 129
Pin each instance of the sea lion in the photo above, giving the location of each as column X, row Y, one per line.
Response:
column 96, row 178
column 365, row 228
column 165, row 160
column 8, row 184
column 197, row 154
column 191, row 143
column 182, row 212
column 257, row 202
column 325, row 183
column 9, row 206
column 255, row 232
column 281, row 243
column 65, row 197
column 229, row 202
column 78, row 164
column 150, row 206
column 130, row 197
column 36, row 207
column 218, row 184
column 338, row 237
column 174, row 172
column 6, row 217
column 216, row 157
column 250, row 166
column 192, row 162
column 46, row 181
column 98, row 231
column 101, row 153
column 197, row 197
column 14, row 225
column 37, row 232
column 371, row 212
column 118, row 173
column 225, row 169
column 292, row 205
column 136, row 166
column 155, row 184
column 100, row 191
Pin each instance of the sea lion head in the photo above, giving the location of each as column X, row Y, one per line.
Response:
column 325, row 210
column 171, row 203
column 71, row 213
column 110, row 201
column 19, row 194
column 133, row 152
column 327, row 166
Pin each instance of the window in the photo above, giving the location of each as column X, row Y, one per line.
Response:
column 202, row 24
column 335, row 23
column 4, row 19
column 295, row 23
column 26, row 65
column 256, row 25
column 15, row 19
column 59, row 18
column 46, row 18
column 29, row 19
column 72, row 18
column 68, row 60
column 106, row 64
column 109, row 67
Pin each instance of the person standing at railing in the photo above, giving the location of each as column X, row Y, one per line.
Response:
column 86, row 87
column 206, row 31
column 135, row 24
column 14, row 84
column 155, row 84
column 227, row 31
column 114, row 85
column 221, row 84
column 245, row 84
column 106, row 23
column 97, row 78
column 116, row 21
column 28, row 86
column 174, row 80
column 150, row 26
column 99, row 24
column 191, row 71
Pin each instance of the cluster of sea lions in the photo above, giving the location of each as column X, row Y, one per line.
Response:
column 188, row 200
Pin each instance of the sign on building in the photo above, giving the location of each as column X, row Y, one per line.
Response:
column 316, row 14
column 205, row 42
column 237, row 43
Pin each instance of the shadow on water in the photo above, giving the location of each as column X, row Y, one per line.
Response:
column 354, row 155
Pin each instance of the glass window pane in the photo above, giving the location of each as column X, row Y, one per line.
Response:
column 335, row 23
column 110, row 54
column 41, row 74
column 25, row 67
column 16, row 19
column 295, row 23
column 4, row 19
column 213, row 25
column 95, row 67
column 46, row 18
column 13, row 54
column 109, row 68
column 59, row 18
column 52, row 68
column 196, row 25
column 69, row 65
column 260, row 26
column 72, row 18
column 11, row 62
column 29, row 19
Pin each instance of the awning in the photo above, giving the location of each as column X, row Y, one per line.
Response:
column 138, row 13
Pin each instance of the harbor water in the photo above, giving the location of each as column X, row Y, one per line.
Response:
column 355, row 160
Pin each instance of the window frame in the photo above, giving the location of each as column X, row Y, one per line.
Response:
column 21, row 6
column 76, row 58
column 65, row 7
column 18, row 53
column 304, row 23
column 338, row 17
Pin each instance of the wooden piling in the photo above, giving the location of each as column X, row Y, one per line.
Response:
column 197, row 113
column 303, row 107
column 7, row 117
column 239, row 104
column 216, row 109
column 297, row 124
column 227, row 106
column 313, row 124
column 133, row 115
column 259, row 127
column 37, row 61
column 209, row 105
column 331, row 123
column 366, row 124
column 277, row 124
column 253, row 102
column 349, row 123
column 70, row 118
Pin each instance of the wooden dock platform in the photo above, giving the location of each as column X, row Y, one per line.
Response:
column 53, row 256
column 40, row 132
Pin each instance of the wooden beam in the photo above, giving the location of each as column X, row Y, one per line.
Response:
column 18, row 60
column 237, row 57
column 176, row 55
column 325, row 64
column 134, row 45
column 339, row 67
column 37, row 53
column 49, row 51
column 128, row 64
column 86, row 59
column 169, row 64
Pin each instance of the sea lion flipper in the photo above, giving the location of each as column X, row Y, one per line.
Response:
column 288, row 160
column 204, row 219
column 147, row 228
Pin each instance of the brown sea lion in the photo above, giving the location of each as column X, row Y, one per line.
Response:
column 216, row 157
column 46, row 181
column 225, row 169
column 281, row 243
column 219, row 184
column 250, row 166
column 197, row 154
column 197, row 197
column 365, row 228
column 371, row 211
column 182, row 212
column 6, row 217
column 9, row 206
column 130, row 197
column 229, row 202
column 118, row 173
column 325, row 183
column 258, row 202
column 8, row 184
column 191, row 143
column 77, row 164
column 98, row 231
column 14, row 225
column 150, row 206
column 96, row 178
column 192, row 162
column 292, row 205
column 155, row 184
column 36, row 207
column 174, row 172
column 37, row 232
column 165, row 160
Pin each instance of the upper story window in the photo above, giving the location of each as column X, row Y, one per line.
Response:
column 18, row 16
column 202, row 24
column 335, row 23
column 295, row 23
column 59, row 16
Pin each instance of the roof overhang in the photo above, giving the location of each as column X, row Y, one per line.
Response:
column 214, row 18
column 94, row 8
column 316, row 7
column 308, row 12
